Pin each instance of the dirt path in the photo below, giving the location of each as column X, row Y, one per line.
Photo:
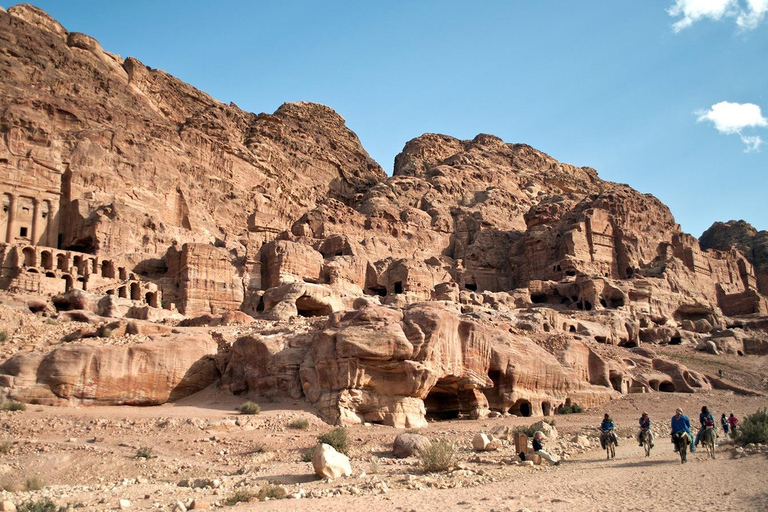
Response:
column 86, row 457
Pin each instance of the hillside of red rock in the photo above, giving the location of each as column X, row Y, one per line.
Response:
column 157, row 241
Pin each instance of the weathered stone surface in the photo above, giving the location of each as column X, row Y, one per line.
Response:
column 409, row 445
column 146, row 374
column 329, row 463
column 484, row 443
column 482, row 277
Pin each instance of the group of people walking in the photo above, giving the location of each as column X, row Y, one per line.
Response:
column 679, row 423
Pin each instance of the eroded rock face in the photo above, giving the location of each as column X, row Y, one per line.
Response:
column 483, row 276
column 148, row 374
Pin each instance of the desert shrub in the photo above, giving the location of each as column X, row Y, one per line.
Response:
column 259, row 448
column 571, row 409
column 753, row 428
column 45, row 505
column 5, row 447
column 12, row 405
column 51, row 321
column 249, row 408
column 374, row 468
column 34, row 483
column 105, row 332
column 528, row 431
column 440, row 456
column 307, row 455
column 145, row 452
column 238, row 497
column 336, row 438
column 272, row 492
column 299, row 424
column 3, row 336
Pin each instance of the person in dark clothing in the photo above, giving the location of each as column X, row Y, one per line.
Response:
column 607, row 426
column 538, row 449
column 724, row 423
column 705, row 420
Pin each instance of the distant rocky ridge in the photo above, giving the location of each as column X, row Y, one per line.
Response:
column 481, row 278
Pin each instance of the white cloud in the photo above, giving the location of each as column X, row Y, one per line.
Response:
column 733, row 118
column 695, row 10
column 747, row 13
column 755, row 13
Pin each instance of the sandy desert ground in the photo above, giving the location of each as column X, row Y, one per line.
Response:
column 86, row 457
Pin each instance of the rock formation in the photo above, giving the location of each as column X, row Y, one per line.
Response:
column 482, row 276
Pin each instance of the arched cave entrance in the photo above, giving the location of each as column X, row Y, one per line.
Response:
column 666, row 387
column 29, row 257
column 546, row 408
column 398, row 286
column 61, row 262
column 521, row 408
column 151, row 299
column 107, row 269
column 135, row 291
column 442, row 402
column 46, row 260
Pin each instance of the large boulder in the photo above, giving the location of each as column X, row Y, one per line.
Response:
column 408, row 445
column 329, row 463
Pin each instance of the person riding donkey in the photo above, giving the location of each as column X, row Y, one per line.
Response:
column 607, row 427
column 681, row 423
column 645, row 424
column 706, row 420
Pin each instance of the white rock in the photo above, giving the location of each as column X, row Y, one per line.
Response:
column 484, row 442
column 7, row 506
column 329, row 463
column 124, row 504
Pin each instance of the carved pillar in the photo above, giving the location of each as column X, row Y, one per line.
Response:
column 10, row 233
column 52, row 227
column 35, row 221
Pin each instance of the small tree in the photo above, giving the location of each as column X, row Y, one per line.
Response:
column 753, row 428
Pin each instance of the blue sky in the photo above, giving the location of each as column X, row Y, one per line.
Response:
column 669, row 96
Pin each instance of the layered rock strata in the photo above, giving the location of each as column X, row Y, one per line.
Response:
column 481, row 276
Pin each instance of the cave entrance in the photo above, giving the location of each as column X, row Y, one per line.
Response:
column 151, row 299
column 546, row 408
column 398, row 287
column 46, row 260
column 308, row 307
column 442, row 402
column 377, row 290
column 666, row 387
column 521, row 408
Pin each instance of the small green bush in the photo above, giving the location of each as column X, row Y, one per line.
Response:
column 272, row 492
column 308, row 454
column 45, row 505
column 249, row 408
column 440, row 456
column 571, row 409
column 145, row 452
column 239, row 497
column 528, row 431
column 12, row 405
column 3, row 336
column 336, row 438
column 299, row 424
column 34, row 483
column 753, row 428
column 5, row 447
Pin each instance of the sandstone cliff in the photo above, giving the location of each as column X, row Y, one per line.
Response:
column 482, row 277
